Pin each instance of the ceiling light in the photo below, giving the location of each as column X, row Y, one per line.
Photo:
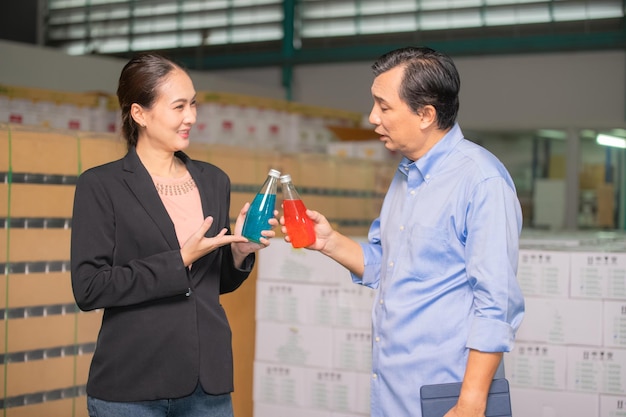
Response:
column 608, row 140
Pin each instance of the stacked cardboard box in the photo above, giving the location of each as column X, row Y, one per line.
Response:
column 570, row 357
column 313, row 337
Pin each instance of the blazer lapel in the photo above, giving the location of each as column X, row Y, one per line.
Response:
column 141, row 184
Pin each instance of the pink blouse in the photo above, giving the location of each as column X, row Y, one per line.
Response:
column 181, row 199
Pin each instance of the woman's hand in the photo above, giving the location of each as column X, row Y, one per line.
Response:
column 198, row 245
column 242, row 248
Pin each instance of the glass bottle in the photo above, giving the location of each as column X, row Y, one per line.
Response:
column 299, row 225
column 261, row 209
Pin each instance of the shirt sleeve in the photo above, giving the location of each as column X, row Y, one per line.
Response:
column 493, row 227
column 372, row 255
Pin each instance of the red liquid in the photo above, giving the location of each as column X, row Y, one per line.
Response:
column 299, row 226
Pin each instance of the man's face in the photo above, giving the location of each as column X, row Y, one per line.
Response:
column 397, row 125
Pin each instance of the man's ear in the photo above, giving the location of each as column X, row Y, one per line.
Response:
column 138, row 114
column 429, row 116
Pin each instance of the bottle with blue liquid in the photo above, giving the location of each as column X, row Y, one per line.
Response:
column 261, row 209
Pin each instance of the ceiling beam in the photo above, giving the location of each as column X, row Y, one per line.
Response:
column 367, row 52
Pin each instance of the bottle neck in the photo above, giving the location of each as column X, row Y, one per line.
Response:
column 289, row 192
column 270, row 186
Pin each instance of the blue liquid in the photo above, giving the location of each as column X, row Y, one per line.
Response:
column 261, row 210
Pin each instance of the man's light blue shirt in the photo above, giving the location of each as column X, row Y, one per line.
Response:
column 443, row 256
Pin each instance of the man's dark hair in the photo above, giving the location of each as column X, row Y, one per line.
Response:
column 430, row 78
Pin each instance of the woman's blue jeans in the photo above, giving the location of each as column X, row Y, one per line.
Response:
column 198, row 404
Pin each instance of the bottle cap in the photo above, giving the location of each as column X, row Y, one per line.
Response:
column 285, row 178
column 274, row 173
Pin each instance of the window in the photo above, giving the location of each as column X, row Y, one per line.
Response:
column 117, row 26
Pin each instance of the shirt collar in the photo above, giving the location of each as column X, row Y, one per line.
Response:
column 427, row 165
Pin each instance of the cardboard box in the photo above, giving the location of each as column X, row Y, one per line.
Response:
column 278, row 384
column 240, row 165
column 353, row 174
column 4, row 145
column 342, row 150
column 544, row 272
column 537, row 365
column 596, row 370
column 40, row 332
column 534, row 402
column 298, row 345
column 354, row 306
column 329, row 206
column 598, row 275
column 273, row 410
column 562, row 321
column 591, row 175
column 44, row 151
column 330, row 390
column 59, row 408
column 39, row 289
column 83, row 362
column 282, row 302
column 4, row 239
column 612, row 405
column 98, row 149
column 39, row 375
column 88, row 326
column 352, row 350
column 281, row 262
column 42, row 200
column 39, row 245
column 605, row 202
column 315, row 171
column 614, row 324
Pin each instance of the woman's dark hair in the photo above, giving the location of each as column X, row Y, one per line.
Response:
column 430, row 77
column 139, row 82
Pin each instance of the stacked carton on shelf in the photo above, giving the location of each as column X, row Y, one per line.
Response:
column 222, row 118
column 312, row 337
column 570, row 354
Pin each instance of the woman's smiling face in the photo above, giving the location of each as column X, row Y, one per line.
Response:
column 169, row 121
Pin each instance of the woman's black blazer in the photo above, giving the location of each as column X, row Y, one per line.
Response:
column 163, row 327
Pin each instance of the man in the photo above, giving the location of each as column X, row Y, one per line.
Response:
column 442, row 254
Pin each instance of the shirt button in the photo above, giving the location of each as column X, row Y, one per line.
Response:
column 381, row 301
column 427, row 176
column 374, row 376
column 412, row 192
column 401, row 227
column 377, row 339
column 390, row 263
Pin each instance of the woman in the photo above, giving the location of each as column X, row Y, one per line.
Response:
column 151, row 246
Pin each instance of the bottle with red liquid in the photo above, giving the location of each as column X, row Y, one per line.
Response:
column 299, row 226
